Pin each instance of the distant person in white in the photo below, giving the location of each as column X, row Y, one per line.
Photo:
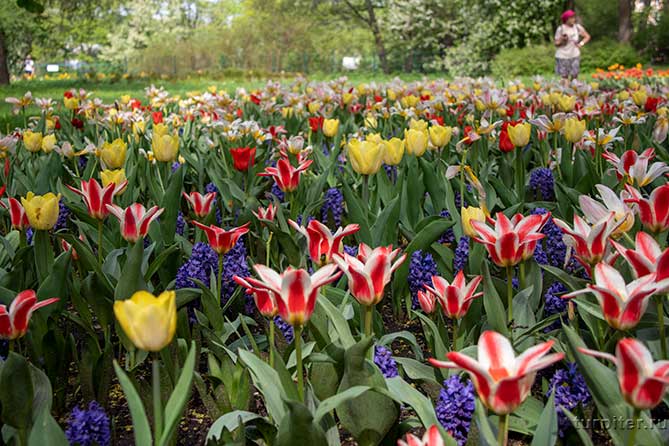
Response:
column 569, row 39
column 29, row 67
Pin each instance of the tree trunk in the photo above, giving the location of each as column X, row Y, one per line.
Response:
column 624, row 20
column 378, row 40
column 4, row 69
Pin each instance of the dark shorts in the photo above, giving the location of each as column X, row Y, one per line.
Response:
column 567, row 67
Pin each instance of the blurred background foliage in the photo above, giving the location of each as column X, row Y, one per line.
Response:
column 180, row 38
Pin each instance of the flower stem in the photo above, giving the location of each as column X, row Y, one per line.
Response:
column 635, row 426
column 369, row 317
column 503, row 431
column 365, row 189
column 271, row 343
column 509, row 293
column 456, row 327
column 298, row 357
column 157, row 402
column 220, row 277
column 463, row 163
column 521, row 279
column 660, row 320
column 100, row 227
column 268, row 246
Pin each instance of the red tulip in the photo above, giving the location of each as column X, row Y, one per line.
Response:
column 589, row 242
column 651, row 104
column 653, row 211
column 501, row 379
column 201, row 204
column 135, row 220
column 14, row 323
column 316, row 123
column 456, row 298
column 285, row 175
column 17, row 215
column 157, row 117
column 323, row 244
column 97, row 198
column 243, row 158
column 264, row 299
column 427, row 301
column 295, row 289
column 505, row 144
column 368, row 277
column 510, row 241
column 432, row 437
column 622, row 304
column 642, row 381
column 267, row 213
column 221, row 240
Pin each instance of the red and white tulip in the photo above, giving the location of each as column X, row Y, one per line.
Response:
column 633, row 167
column 653, row 211
column 268, row 213
column 427, row 301
column 14, row 322
column 135, row 220
column 622, row 304
column 200, row 204
column 221, row 240
column 643, row 382
column 510, row 241
column 295, row 290
column 588, row 242
column 594, row 211
column 455, row 298
column 369, row 275
column 17, row 215
column 431, row 437
column 285, row 175
column 647, row 258
column 502, row 380
column 264, row 299
column 97, row 198
column 322, row 243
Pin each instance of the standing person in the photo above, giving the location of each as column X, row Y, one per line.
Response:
column 29, row 67
column 569, row 39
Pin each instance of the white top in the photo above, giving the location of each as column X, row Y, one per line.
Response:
column 29, row 65
column 570, row 49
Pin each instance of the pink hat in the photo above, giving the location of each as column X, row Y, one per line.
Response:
column 567, row 14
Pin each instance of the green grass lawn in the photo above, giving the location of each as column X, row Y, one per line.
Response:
column 110, row 91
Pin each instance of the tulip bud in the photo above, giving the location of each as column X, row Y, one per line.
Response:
column 330, row 127
column 113, row 176
column 165, row 145
column 365, row 156
column 48, row 143
column 416, row 141
column 148, row 321
column 574, row 129
column 113, row 154
column 440, row 136
column 519, row 134
column 32, row 141
column 393, row 151
column 469, row 214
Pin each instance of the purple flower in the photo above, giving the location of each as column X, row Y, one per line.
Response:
column 202, row 262
column 461, row 255
column 29, row 236
column 333, row 206
column 542, row 184
column 211, row 187
column 383, row 358
column 448, row 236
column 421, row 269
column 181, row 223
column 553, row 244
column 570, row 392
column 457, row 198
column 88, row 427
column 175, row 166
column 277, row 192
column 285, row 329
column 455, row 407
column 235, row 264
column 63, row 216
column 391, row 172
column 82, row 161
column 554, row 304
column 351, row 250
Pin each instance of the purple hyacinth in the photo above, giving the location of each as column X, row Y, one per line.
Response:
column 448, row 236
column 391, row 172
column 455, row 408
column 181, row 223
column 421, row 269
column 553, row 244
column 89, row 426
column 29, row 236
column 63, row 217
column 554, row 304
column 383, row 358
column 235, row 264
column 351, row 250
column 285, row 328
column 211, row 187
column 540, row 255
column 82, row 161
column 175, row 166
column 456, row 197
column 277, row 192
column 461, row 255
column 542, row 184
column 333, row 205
column 571, row 391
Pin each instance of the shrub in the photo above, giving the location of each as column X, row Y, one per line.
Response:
column 540, row 59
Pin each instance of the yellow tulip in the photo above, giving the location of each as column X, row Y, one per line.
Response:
column 313, row 107
column 41, row 210
column 468, row 215
column 566, row 103
column 346, row 98
column 624, row 95
column 519, row 134
column 639, row 97
column 165, row 146
column 440, row 136
column 125, row 99
column 416, row 142
column 330, row 127
column 149, row 321
column 48, row 143
column 574, row 129
column 113, row 176
column 113, row 153
column 418, row 124
column 374, row 137
column 71, row 103
column 365, row 156
column 391, row 94
column 32, row 140
column 393, row 151
column 371, row 122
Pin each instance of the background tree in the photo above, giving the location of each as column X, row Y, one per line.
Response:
column 624, row 20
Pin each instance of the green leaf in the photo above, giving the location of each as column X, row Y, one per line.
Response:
column 16, row 392
column 338, row 322
column 547, row 429
column 268, row 383
column 298, row 427
column 46, row 430
column 357, row 214
column 175, row 405
column 140, row 423
column 55, row 285
column 334, row 401
column 494, row 308
column 170, row 202
column 488, row 437
column 416, row 370
column 43, row 254
column 31, row 6
column 230, row 422
column 384, row 230
column 578, row 427
column 131, row 276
